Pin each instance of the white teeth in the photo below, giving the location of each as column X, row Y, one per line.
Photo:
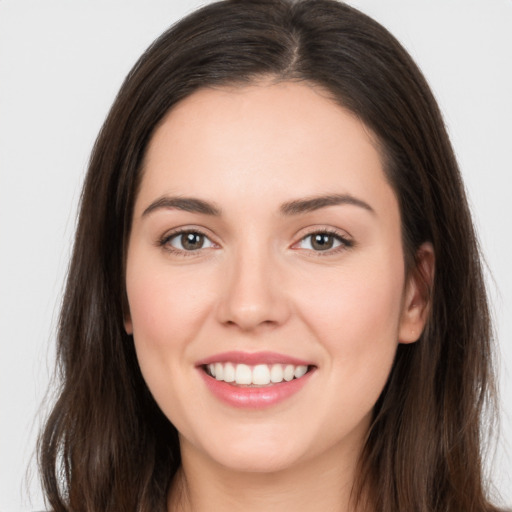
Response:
column 300, row 371
column 261, row 375
column 276, row 373
column 258, row 375
column 229, row 372
column 219, row 371
column 288, row 372
column 243, row 374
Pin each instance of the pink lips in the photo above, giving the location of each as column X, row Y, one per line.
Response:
column 252, row 358
column 253, row 397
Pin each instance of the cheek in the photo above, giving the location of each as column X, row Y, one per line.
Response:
column 355, row 302
column 151, row 318
column 166, row 308
column 356, row 316
column 166, row 313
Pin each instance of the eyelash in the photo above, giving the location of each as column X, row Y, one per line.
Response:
column 344, row 242
column 164, row 242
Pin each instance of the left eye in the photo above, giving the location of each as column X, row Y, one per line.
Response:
column 322, row 242
column 189, row 241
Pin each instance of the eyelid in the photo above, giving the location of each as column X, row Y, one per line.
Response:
column 346, row 241
column 163, row 241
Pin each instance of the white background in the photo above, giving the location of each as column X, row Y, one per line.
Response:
column 62, row 62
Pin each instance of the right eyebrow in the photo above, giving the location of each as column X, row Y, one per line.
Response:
column 187, row 204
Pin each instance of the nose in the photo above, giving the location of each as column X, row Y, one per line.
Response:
column 253, row 295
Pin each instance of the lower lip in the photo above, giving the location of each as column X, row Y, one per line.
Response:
column 254, row 397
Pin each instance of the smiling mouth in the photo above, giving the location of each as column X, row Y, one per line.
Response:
column 255, row 375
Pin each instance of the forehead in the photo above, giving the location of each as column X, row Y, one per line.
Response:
column 268, row 140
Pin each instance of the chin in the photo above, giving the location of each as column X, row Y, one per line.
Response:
column 255, row 461
column 257, row 450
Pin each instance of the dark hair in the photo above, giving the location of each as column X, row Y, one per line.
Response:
column 106, row 445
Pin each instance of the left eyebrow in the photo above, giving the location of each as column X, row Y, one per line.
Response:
column 310, row 204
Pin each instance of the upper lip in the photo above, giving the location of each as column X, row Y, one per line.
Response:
column 252, row 358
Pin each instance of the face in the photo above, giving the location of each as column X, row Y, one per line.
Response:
column 265, row 276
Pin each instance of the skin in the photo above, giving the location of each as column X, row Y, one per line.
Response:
column 258, row 284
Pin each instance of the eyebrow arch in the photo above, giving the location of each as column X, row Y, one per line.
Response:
column 187, row 204
column 310, row 204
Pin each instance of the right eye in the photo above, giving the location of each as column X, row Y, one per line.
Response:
column 188, row 241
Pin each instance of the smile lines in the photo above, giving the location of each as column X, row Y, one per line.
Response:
column 258, row 375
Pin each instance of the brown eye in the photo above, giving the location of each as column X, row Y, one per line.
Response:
column 323, row 241
column 189, row 241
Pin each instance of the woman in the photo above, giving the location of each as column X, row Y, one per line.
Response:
column 275, row 278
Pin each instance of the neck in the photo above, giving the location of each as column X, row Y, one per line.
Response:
column 324, row 483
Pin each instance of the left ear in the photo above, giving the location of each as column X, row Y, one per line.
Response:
column 417, row 296
column 127, row 317
column 128, row 326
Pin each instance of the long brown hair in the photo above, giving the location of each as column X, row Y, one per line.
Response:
column 106, row 445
